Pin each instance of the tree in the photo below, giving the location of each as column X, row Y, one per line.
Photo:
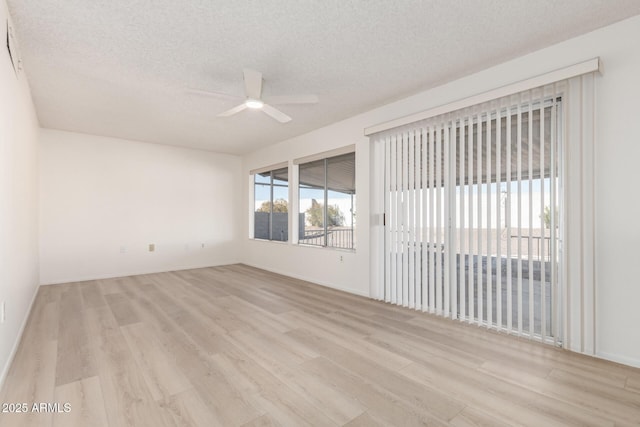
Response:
column 315, row 215
column 279, row 205
column 546, row 217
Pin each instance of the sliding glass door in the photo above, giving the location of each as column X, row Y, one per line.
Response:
column 473, row 214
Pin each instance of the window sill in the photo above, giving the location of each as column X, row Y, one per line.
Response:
column 278, row 242
column 302, row 245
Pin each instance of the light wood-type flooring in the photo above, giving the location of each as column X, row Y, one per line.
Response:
column 238, row 346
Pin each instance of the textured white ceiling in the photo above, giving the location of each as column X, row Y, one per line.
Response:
column 120, row 68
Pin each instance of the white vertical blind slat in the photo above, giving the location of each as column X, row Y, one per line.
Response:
column 387, row 217
column 431, row 246
column 438, row 242
column 453, row 281
column 543, row 240
column 410, row 301
column 418, row 216
column 471, row 244
column 397, row 271
column 531, row 296
column 554, row 254
column 445, row 189
column 499, row 217
column 571, row 184
column 489, row 227
column 587, row 198
column 519, row 214
column 405, row 218
column 424, row 190
column 507, row 213
column 463, row 229
column 400, row 219
column 479, row 247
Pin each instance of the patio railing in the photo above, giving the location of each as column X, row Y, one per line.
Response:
column 337, row 237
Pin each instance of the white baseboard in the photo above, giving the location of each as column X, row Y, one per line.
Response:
column 140, row 272
column 307, row 279
column 629, row 361
column 5, row 369
column 133, row 273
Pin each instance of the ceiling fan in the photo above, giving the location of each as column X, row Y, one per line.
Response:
column 253, row 98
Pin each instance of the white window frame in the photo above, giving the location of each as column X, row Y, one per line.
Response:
column 324, row 156
column 252, row 207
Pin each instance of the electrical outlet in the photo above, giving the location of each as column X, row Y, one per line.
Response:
column 152, row 247
column 341, row 258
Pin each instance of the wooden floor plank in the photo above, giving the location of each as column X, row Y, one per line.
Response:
column 621, row 407
column 111, row 286
column 262, row 421
column 269, row 394
column 235, row 345
column 161, row 373
column 91, row 295
column 188, row 354
column 76, row 360
column 381, row 404
column 189, row 410
column 426, row 399
column 109, row 347
column 633, row 384
column 255, row 372
column 472, row 417
column 86, row 404
column 478, row 395
column 363, row 420
column 254, row 317
column 31, row 379
column 201, row 287
column 220, row 319
column 229, row 405
column 128, row 401
column 121, row 308
column 346, row 339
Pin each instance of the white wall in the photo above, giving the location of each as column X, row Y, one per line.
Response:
column 18, row 201
column 617, row 175
column 104, row 200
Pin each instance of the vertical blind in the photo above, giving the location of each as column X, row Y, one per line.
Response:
column 467, row 195
column 483, row 209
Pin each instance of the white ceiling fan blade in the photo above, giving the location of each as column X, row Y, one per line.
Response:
column 234, row 110
column 292, row 99
column 276, row 114
column 211, row 93
column 252, row 83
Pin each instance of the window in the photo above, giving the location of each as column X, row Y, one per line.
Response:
column 271, row 204
column 327, row 195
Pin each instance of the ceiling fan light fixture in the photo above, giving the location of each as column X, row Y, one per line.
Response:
column 253, row 98
column 256, row 104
